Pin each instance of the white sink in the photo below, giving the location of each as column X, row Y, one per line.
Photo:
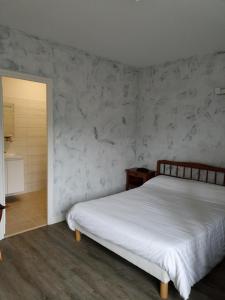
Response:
column 12, row 156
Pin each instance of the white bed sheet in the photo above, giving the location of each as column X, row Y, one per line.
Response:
column 177, row 224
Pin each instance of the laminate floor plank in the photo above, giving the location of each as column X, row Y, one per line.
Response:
column 48, row 264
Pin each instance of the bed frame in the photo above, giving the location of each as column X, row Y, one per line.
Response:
column 192, row 171
column 185, row 170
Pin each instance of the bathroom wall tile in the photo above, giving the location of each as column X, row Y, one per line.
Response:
column 30, row 140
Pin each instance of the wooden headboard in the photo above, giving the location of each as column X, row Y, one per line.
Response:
column 193, row 171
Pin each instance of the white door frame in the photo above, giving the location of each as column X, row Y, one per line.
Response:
column 49, row 100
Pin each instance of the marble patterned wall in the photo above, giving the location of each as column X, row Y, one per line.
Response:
column 179, row 115
column 108, row 116
column 94, row 115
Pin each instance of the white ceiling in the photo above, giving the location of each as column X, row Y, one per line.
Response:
column 137, row 33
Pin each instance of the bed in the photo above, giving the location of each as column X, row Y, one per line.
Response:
column 172, row 227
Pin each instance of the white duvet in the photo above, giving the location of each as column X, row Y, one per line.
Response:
column 175, row 223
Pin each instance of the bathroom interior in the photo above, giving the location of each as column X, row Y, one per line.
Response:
column 25, row 154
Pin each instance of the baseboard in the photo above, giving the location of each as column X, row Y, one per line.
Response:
column 56, row 219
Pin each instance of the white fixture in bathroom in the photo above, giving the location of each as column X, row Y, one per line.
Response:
column 14, row 174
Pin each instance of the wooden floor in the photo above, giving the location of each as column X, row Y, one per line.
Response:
column 25, row 212
column 48, row 264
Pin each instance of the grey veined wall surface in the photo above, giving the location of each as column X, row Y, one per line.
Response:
column 94, row 115
column 179, row 115
column 108, row 116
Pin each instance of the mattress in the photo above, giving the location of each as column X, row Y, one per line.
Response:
column 177, row 224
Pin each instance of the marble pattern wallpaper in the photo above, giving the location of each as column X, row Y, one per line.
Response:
column 179, row 115
column 94, row 115
column 109, row 116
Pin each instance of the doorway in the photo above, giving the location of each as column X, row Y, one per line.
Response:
column 26, row 148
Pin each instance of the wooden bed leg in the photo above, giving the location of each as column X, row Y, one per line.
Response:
column 77, row 235
column 164, row 290
column 1, row 256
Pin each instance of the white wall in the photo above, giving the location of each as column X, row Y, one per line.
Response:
column 30, row 139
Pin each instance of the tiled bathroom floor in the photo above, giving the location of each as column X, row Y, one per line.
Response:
column 26, row 212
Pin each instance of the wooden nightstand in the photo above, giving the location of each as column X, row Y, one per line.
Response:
column 136, row 177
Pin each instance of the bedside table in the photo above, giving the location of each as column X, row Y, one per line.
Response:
column 137, row 177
